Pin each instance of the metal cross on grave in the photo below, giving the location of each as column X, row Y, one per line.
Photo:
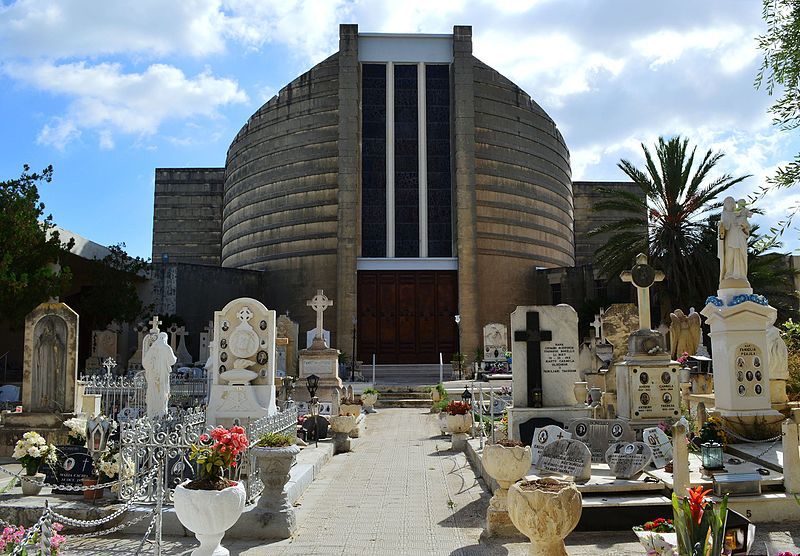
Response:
column 598, row 329
column 533, row 337
column 109, row 363
column 319, row 303
column 154, row 323
column 642, row 276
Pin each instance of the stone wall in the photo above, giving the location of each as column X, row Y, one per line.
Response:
column 586, row 196
column 280, row 210
column 187, row 215
column 523, row 194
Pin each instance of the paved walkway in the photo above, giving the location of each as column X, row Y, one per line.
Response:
column 400, row 492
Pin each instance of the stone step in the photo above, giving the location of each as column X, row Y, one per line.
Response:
column 412, row 402
column 388, row 395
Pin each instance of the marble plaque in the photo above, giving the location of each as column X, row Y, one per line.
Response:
column 543, row 437
column 495, row 342
column 628, row 459
column 654, row 391
column 749, row 369
column 660, row 444
column 569, row 457
column 318, row 367
column 559, row 355
column 599, row 434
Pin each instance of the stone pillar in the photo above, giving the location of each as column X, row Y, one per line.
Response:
column 349, row 230
column 680, row 459
column 791, row 457
column 464, row 148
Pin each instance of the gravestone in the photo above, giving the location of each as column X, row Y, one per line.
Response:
column 287, row 328
column 205, row 344
column 50, row 363
column 568, row 457
column 628, row 459
column 543, row 437
column 599, row 434
column 243, row 382
column 545, row 352
column 620, row 320
column 74, row 464
column 184, row 357
column 104, row 345
column 319, row 359
column 660, row 444
column 135, row 360
column 495, row 342
column 311, row 334
column 651, row 391
column 527, row 429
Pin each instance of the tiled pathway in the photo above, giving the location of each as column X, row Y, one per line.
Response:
column 400, row 492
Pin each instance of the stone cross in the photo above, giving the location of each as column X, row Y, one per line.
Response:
column 598, row 328
column 173, row 337
column 181, row 332
column 154, row 323
column 642, row 276
column 319, row 303
column 109, row 364
column 533, row 337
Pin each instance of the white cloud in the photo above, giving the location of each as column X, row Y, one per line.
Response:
column 108, row 100
column 667, row 46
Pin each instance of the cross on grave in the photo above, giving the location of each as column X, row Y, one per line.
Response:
column 109, row 364
column 154, row 323
column 559, row 436
column 319, row 303
column 181, row 332
column 642, row 276
column 598, row 328
column 533, row 338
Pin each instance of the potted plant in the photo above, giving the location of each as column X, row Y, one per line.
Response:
column 507, row 461
column 545, row 511
column 32, row 451
column 276, row 454
column 11, row 538
column 211, row 504
column 108, row 471
column 658, row 537
column 368, row 399
column 76, row 431
column 459, row 417
column 699, row 526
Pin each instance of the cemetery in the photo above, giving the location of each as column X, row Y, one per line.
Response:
column 293, row 385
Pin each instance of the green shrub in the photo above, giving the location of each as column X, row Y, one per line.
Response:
column 275, row 440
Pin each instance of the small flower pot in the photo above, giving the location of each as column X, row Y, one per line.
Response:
column 91, row 495
column 33, row 488
column 506, row 465
column 368, row 401
column 435, row 395
column 208, row 514
column 545, row 511
column 350, row 409
column 457, row 424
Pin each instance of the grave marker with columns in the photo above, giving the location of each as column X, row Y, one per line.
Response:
column 319, row 359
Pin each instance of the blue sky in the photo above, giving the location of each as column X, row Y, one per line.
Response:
column 107, row 93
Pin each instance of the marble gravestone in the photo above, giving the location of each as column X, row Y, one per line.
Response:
column 184, row 357
column 50, row 364
column 568, row 457
column 243, row 382
column 660, row 444
column 628, row 459
column 205, row 344
column 543, row 437
column 495, row 342
column 319, row 359
column 599, row 434
column 135, row 360
column 287, row 328
column 104, row 345
column 311, row 334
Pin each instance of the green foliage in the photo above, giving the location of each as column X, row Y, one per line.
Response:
column 697, row 521
column 111, row 295
column 275, row 440
column 26, row 250
column 668, row 223
column 210, row 462
column 781, row 66
column 370, row 390
column 791, row 335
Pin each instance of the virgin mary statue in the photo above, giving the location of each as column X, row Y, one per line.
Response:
column 157, row 361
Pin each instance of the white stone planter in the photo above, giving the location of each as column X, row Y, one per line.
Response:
column 343, row 423
column 274, row 465
column 208, row 514
column 350, row 409
column 31, row 488
column 546, row 515
column 457, row 424
column 506, row 465
column 443, row 422
column 368, row 401
column 659, row 544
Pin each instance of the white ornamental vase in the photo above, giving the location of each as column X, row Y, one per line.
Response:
column 208, row 514
column 33, row 487
column 545, row 511
column 343, row 423
column 368, row 401
column 458, row 424
column 581, row 390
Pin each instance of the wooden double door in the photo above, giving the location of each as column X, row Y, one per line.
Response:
column 407, row 317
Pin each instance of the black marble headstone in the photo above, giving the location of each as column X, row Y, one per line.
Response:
column 74, row 465
column 527, row 428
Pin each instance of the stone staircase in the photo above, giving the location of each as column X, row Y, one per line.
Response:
column 407, row 375
column 399, row 396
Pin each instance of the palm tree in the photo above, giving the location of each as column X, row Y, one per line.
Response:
column 666, row 220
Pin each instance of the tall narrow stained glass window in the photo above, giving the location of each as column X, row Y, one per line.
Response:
column 373, row 160
column 437, row 111
column 406, row 161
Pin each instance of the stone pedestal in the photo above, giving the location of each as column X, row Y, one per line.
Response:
column 323, row 362
column 738, row 321
column 648, row 387
column 341, row 442
column 459, row 441
column 274, row 514
column 49, row 425
column 341, row 426
column 791, row 457
column 506, row 465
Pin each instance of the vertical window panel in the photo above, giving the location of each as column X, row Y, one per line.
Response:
column 437, row 112
column 373, row 160
column 406, row 160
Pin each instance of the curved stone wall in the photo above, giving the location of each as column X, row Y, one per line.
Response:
column 523, row 193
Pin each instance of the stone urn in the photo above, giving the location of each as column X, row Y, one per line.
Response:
column 581, row 389
column 32, row 484
column 545, row 511
column 506, row 465
column 368, row 401
column 208, row 514
column 341, row 425
column 457, row 424
column 350, row 409
column 274, row 465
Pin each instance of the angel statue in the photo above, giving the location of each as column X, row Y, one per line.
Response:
column 157, row 360
column 684, row 333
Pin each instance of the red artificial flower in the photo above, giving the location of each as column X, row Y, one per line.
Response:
column 697, row 501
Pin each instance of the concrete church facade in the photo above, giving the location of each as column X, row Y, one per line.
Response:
column 403, row 176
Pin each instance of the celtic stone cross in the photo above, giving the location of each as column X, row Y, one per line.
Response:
column 319, row 303
column 642, row 276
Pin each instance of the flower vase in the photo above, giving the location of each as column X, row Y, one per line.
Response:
column 209, row 514
column 94, row 494
column 32, row 483
column 545, row 511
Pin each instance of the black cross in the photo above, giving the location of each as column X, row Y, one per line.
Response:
column 533, row 337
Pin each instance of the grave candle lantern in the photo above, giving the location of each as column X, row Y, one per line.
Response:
column 711, row 454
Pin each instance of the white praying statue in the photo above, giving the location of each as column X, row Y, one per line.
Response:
column 734, row 229
column 157, row 360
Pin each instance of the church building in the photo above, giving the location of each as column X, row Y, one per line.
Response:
column 404, row 177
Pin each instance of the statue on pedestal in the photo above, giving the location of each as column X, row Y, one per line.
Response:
column 733, row 231
column 157, row 360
